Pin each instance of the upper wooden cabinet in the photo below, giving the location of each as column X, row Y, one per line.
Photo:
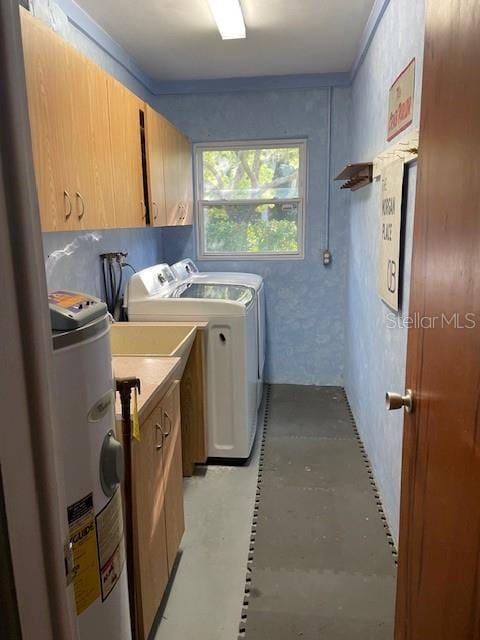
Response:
column 50, row 112
column 155, row 147
column 126, row 148
column 92, row 169
column 70, row 129
column 178, row 177
column 169, row 162
column 91, row 176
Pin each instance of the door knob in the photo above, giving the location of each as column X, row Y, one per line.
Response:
column 397, row 401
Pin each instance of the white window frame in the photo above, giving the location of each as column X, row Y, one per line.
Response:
column 301, row 200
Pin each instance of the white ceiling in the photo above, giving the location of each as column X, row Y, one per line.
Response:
column 178, row 39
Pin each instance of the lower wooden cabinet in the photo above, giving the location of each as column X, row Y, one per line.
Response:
column 172, row 460
column 157, row 505
column 193, row 394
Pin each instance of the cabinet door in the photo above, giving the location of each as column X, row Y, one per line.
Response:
column 155, row 146
column 126, row 150
column 70, row 128
column 178, row 176
column 49, row 105
column 149, row 509
column 192, row 401
column 174, row 513
column 91, row 169
column 186, row 179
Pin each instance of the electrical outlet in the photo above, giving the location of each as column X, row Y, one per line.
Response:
column 327, row 257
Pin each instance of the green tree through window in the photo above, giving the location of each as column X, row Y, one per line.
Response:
column 251, row 199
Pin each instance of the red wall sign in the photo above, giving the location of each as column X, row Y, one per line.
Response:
column 400, row 102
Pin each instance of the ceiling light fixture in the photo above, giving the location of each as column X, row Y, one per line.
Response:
column 229, row 18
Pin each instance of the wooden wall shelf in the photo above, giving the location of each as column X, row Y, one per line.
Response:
column 356, row 175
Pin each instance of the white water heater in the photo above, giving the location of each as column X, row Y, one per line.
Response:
column 92, row 461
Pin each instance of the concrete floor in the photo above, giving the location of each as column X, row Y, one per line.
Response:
column 206, row 594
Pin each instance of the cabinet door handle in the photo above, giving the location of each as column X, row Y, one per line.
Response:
column 144, row 210
column 155, row 209
column 159, row 428
column 66, row 198
column 167, row 433
column 79, row 198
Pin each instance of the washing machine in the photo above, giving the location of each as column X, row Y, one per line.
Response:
column 187, row 271
column 156, row 293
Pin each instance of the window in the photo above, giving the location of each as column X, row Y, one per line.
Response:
column 250, row 199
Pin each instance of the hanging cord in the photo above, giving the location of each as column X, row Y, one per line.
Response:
column 105, row 291
column 122, row 312
column 113, row 264
column 117, row 307
column 113, row 285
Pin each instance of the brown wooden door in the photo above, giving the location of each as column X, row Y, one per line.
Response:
column 438, row 593
column 155, row 145
column 124, row 109
column 172, row 455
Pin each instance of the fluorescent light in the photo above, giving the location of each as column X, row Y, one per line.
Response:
column 229, row 18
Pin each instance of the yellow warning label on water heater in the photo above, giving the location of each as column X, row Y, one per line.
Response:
column 111, row 550
column 83, row 537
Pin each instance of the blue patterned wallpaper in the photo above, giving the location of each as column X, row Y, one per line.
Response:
column 72, row 258
column 375, row 355
column 305, row 300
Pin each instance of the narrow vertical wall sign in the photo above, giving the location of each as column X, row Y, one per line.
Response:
column 400, row 102
column 390, row 224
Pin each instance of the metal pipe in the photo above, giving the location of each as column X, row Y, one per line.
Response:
column 124, row 387
column 326, row 254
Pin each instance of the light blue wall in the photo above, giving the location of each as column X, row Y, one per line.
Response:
column 375, row 354
column 305, row 300
column 72, row 259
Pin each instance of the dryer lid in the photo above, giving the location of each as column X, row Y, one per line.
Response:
column 229, row 292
